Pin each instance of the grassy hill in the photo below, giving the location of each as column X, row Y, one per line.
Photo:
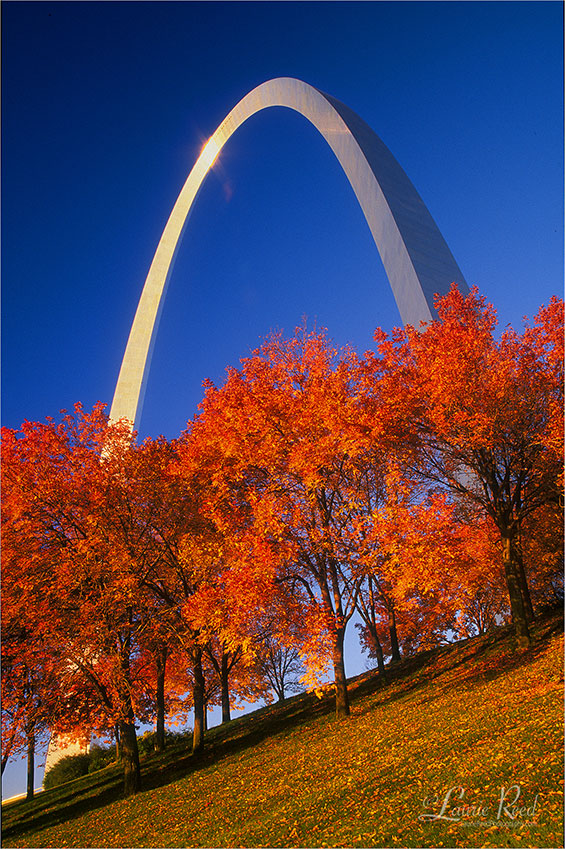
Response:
column 477, row 719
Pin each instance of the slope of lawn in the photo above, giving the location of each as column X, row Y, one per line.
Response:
column 478, row 719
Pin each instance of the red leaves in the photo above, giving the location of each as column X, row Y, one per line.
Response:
column 310, row 480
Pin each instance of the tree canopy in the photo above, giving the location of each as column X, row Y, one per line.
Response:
column 415, row 488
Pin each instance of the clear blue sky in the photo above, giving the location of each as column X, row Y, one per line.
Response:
column 106, row 107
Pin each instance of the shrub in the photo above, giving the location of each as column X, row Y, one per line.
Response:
column 69, row 767
column 101, row 756
column 146, row 741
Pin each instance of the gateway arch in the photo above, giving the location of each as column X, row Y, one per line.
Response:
column 415, row 256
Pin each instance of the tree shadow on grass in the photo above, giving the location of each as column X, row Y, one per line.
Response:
column 469, row 656
column 82, row 796
column 242, row 734
column 59, row 805
column 85, row 795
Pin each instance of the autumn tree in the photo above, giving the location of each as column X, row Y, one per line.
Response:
column 285, row 425
column 411, row 568
column 282, row 667
column 158, row 690
column 27, row 686
column 237, row 671
column 184, row 563
column 485, row 414
column 81, row 596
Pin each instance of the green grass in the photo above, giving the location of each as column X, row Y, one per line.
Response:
column 478, row 716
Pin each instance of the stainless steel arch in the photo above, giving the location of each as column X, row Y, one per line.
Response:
column 415, row 256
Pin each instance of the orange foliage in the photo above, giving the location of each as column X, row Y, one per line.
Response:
column 418, row 484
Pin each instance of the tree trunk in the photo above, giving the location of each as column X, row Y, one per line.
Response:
column 128, row 738
column 161, row 661
column 226, row 711
column 520, row 570
column 198, row 685
column 524, row 588
column 30, row 765
column 117, row 739
column 341, row 694
column 395, row 651
column 519, row 617
column 6, row 753
column 378, row 649
column 130, row 757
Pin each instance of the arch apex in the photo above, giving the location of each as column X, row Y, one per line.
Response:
column 416, row 258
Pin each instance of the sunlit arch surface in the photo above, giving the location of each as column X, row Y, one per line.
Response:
column 416, row 258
